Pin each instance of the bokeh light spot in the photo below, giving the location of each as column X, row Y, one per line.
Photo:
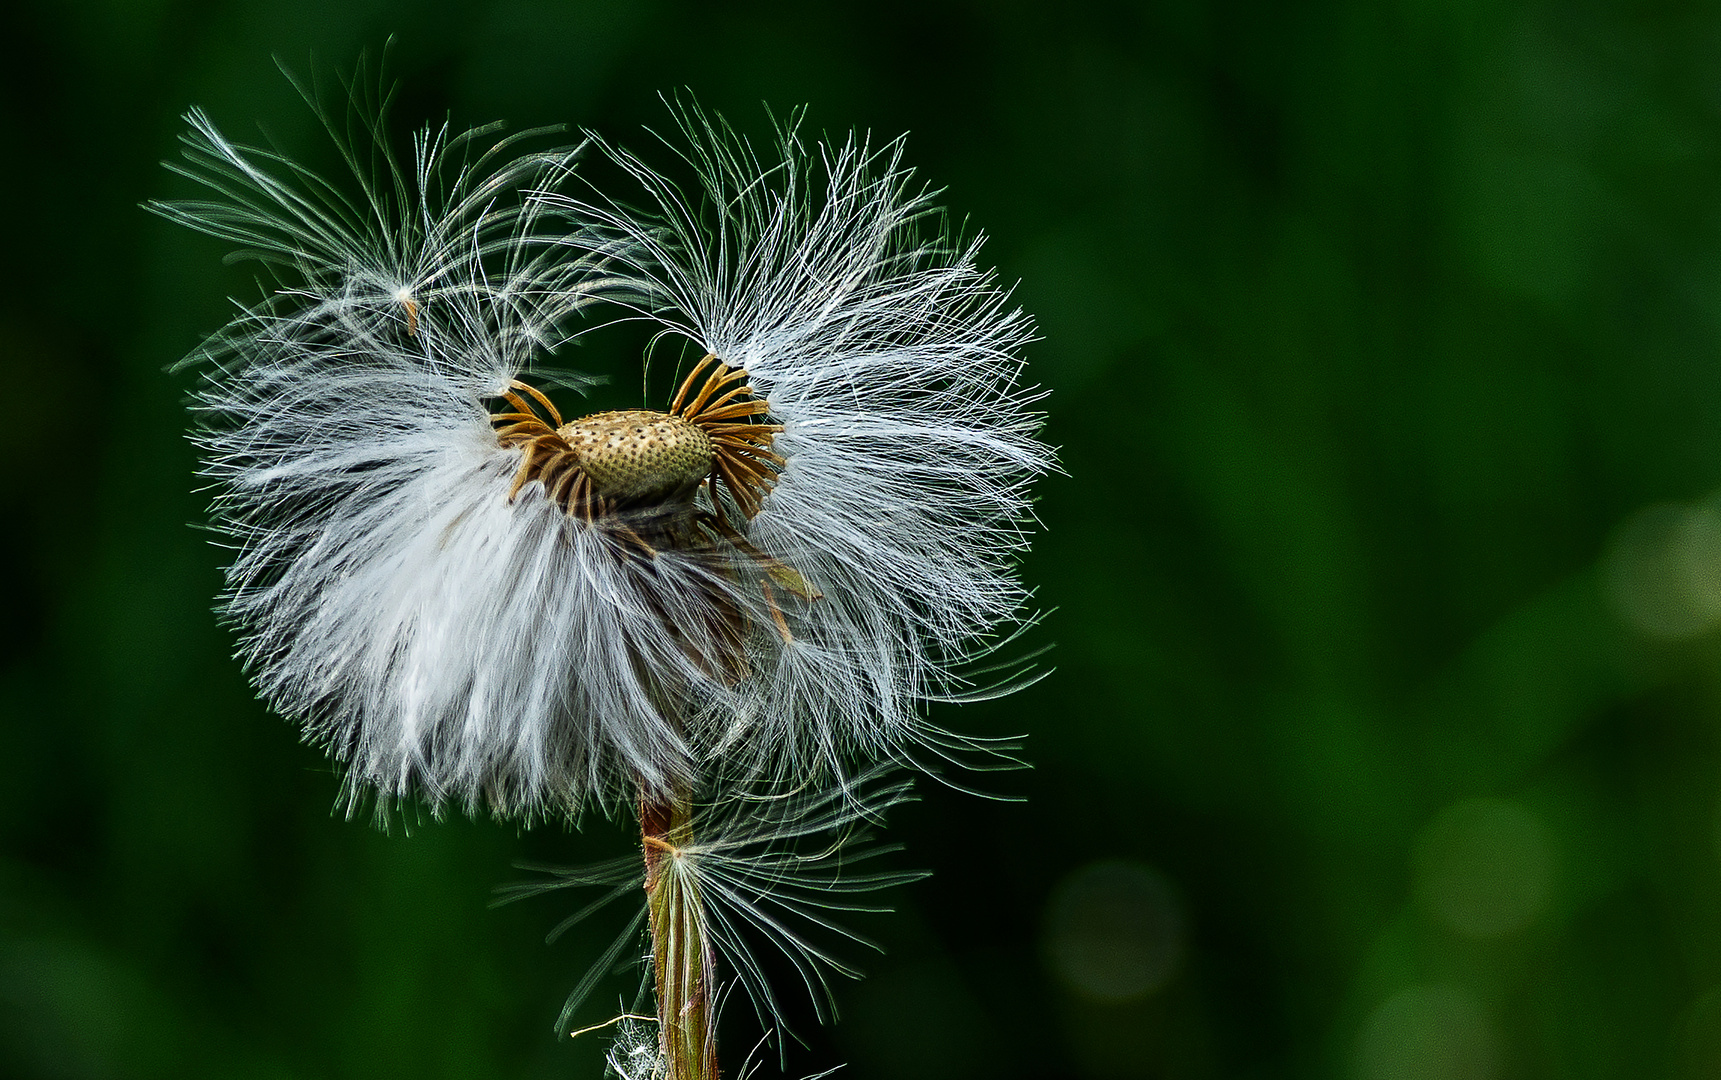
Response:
column 1484, row 867
column 1429, row 1032
column 1663, row 570
column 1114, row 930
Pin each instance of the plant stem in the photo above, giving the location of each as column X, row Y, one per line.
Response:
column 681, row 955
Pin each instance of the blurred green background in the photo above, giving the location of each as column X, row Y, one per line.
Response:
column 1385, row 348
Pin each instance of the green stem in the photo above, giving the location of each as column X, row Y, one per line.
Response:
column 681, row 955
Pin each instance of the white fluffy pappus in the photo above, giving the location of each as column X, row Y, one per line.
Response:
column 892, row 363
column 433, row 635
column 461, row 597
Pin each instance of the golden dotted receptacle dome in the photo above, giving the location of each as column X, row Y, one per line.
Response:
column 638, row 455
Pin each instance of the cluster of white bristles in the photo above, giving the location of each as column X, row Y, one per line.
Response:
column 444, row 637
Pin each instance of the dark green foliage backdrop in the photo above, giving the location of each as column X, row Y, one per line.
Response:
column 1385, row 342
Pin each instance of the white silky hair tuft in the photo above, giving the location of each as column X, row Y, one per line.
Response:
column 443, row 634
column 435, row 637
column 775, row 878
column 894, row 364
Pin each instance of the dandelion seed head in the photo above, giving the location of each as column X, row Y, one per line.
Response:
column 466, row 597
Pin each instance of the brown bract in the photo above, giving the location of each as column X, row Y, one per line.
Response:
column 639, row 459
